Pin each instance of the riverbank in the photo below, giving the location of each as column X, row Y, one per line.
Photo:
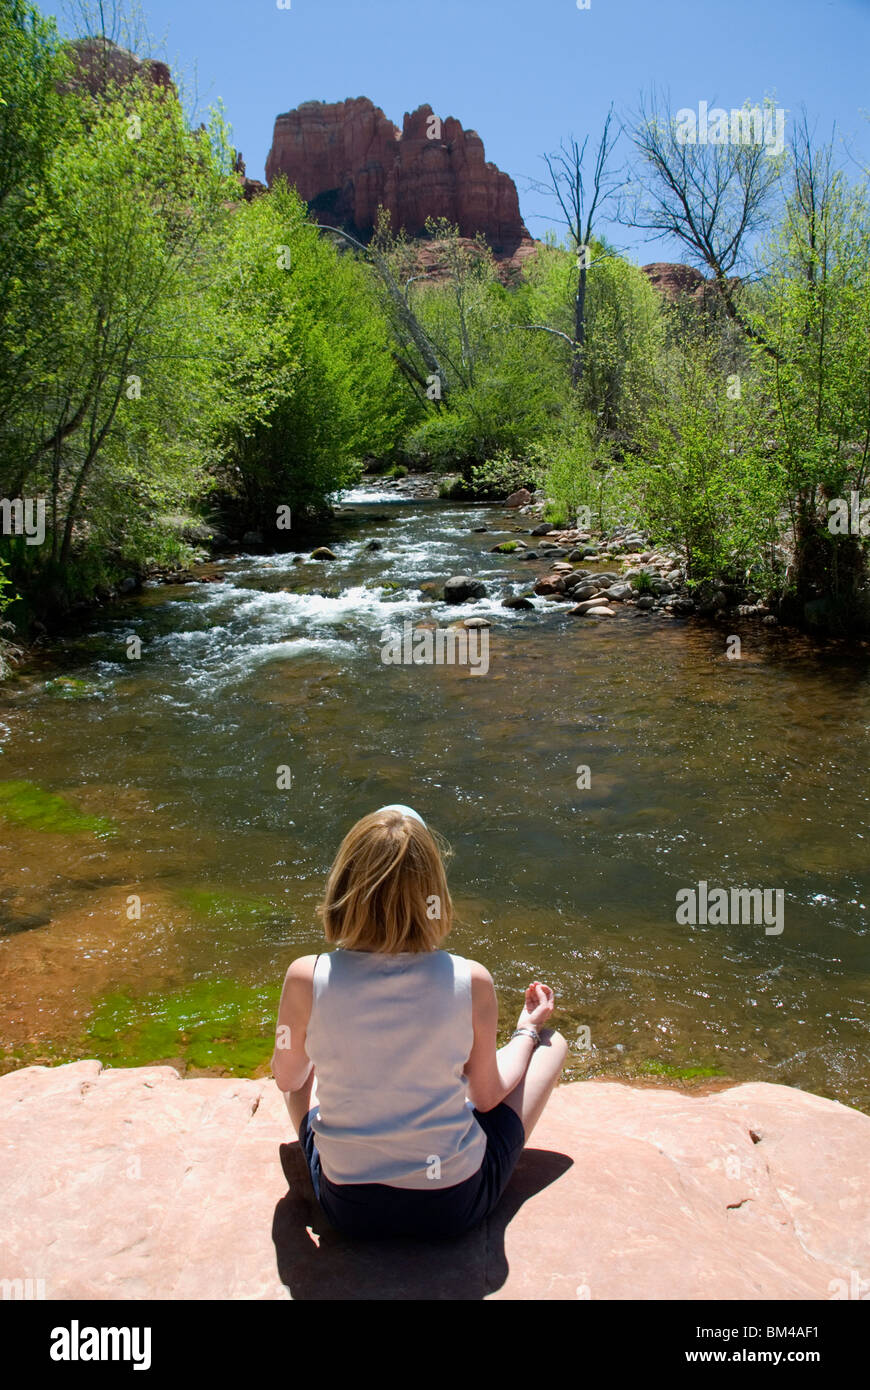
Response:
column 194, row 1189
column 591, row 569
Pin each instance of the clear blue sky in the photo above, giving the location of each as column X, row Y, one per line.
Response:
column 523, row 73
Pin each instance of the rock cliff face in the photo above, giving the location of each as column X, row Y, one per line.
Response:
column 346, row 159
column 685, row 282
column 99, row 61
column 132, row 1183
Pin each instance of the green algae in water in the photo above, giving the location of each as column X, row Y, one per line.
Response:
column 653, row 1068
column 218, row 905
column 67, row 688
column 25, row 803
column 213, row 1023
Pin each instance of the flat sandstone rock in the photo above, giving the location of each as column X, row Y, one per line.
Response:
column 134, row 1183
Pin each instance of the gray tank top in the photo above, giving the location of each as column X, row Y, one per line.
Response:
column 389, row 1036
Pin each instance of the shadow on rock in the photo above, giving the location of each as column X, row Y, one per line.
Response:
column 315, row 1261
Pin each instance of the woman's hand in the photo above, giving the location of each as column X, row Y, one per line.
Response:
column 538, row 1007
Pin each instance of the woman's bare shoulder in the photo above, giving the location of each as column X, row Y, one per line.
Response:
column 302, row 969
column 479, row 973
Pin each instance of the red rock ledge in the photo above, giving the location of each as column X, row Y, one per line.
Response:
column 134, row 1183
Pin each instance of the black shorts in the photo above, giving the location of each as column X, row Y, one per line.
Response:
column 374, row 1210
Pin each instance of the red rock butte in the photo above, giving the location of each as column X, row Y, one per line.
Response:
column 346, row 159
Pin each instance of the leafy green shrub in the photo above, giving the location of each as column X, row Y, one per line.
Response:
column 495, row 479
column 703, row 477
column 643, row 583
column 577, row 473
column 7, row 596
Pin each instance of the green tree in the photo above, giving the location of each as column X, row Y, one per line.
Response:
column 816, row 310
column 113, row 365
column 310, row 387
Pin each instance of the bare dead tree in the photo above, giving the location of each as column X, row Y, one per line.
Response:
column 119, row 22
column 580, row 200
column 709, row 198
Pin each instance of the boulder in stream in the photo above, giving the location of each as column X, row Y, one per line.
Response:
column 461, row 587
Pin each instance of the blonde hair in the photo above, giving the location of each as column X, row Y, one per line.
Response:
column 387, row 889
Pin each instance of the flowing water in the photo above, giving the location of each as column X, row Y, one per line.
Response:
column 157, row 880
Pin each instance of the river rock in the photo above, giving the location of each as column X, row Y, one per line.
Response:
column 461, row 587
column 599, row 611
column 375, row 545
column 196, row 1189
column 645, row 602
column 582, row 609
column 620, row 592
column 551, row 585
column 584, row 591
column 323, row 553
column 517, row 602
column 521, row 498
column 529, row 555
column 543, row 529
column 473, row 623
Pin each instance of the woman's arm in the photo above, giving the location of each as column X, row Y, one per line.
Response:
column 493, row 1072
column 290, row 1062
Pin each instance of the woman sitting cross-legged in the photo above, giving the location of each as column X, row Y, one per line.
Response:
column 410, row 1118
